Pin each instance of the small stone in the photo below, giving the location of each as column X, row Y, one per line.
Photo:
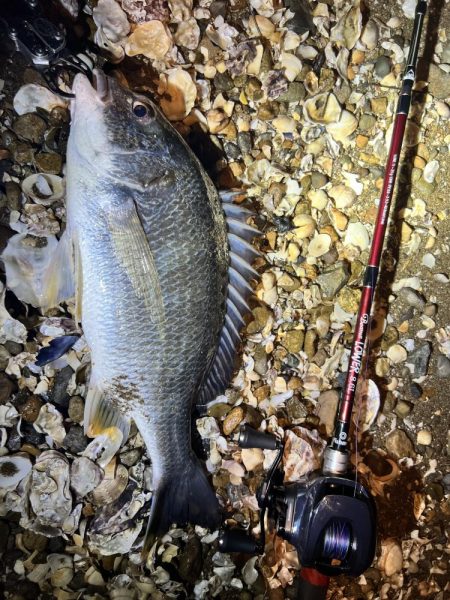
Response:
column 390, row 337
column 34, row 541
column 424, row 437
column 13, row 348
column 75, row 440
column 58, row 394
column 7, row 388
column 416, row 390
column 30, row 127
column 413, row 298
column 293, row 340
column 219, row 410
column 4, row 357
column 310, row 343
column 261, row 315
column 76, row 409
column 438, row 82
column 361, row 141
column 442, row 366
column 233, row 419
column 403, row 409
column 382, row 367
column 379, row 105
column 294, row 93
column 295, row 409
column 418, row 360
column 261, row 360
column 327, row 404
column 397, row 354
column 190, row 560
column 399, row 445
column 382, row 66
column 425, row 188
column 367, row 122
column 252, row 458
column 289, row 283
column 348, row 299
column 318, row 180
column 48, row 162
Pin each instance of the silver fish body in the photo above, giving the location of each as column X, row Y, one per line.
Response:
column 152, row 258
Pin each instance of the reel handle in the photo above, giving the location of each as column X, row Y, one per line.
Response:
column 250, row 438
column 238, row 540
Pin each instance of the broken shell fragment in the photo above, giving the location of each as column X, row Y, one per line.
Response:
column 109, row 16
column 347, row 30
column 50, row 422
column 323, row 108
column 397, row 354
column 188, row 34
column 357, row 235
column 344, row 128
column 85, row 476
column 391, row 559
column 104, row 446
column 13, row 469
column 319, row 245
column 369, row 405
column 178, row 93
column 31, row 96
column 43, row 188
column 11, row 330
column 151, row 39
column 110, row 489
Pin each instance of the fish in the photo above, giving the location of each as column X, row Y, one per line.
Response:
column 159, row 264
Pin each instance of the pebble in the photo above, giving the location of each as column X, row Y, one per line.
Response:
column 48, row 162
column 318, row 180
column 58, row 394
column 327, row 404
column 399, row 445
column 367, row 122
column 76, row 409
column 75, row 440
column 233, row 419
column 190, row 560
column 403, row 409
column 261, row 316
column 419, row 359
column 294, row 93
column 293, row 340
column 30, row 127
column 413, row 298
column 416, row 390
column 382, row 66
column 424, row 437
column 310, row 343
column 332, row 279
column 379, row 105
column 438, row 82
column 4, row 357
column 348, row 299
column 261, row 359
column 442, row 366
column 7, row 388
column 14, row 348
column 295, row 409
column 424, row 187
column 30, row 409
column 396, row 354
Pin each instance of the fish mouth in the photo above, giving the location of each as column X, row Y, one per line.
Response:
column 101, row 84
column 99, row 90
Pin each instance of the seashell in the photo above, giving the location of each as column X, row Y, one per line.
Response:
column 50, row 421
column 94, row 577
column 249, row 573
column 104, row 446
column 109, row 490
column 284, row 124
column 302, row 453
column 11, row 330
column 347, row 30
column 319, row 245
column 252, row 458
column 8, row 415
column 323, row 108
column 305, row 226
column 424, row 437
column 344, row 128
column 31, row 96
column 369, row 405
column 262, row 26
column 111, row 19
column 430, row 171
column 50, row 497
column 370, row 35
column 179, row 93
column 263, row 7
column 291, row 65
column 397, row 354
column 61, row 569
column 357, row 235
column 151, row 39
column 180, row 10
column 114, row 49
column 221, row 33
column 43, row 188
column 342, row 195
column 13, row 468
column 85, row 476
column 391, row 559
column 428, row 260
column 188, row 34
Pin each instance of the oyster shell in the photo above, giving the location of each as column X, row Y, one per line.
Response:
column 178, row 93
column 50, row 421
column 109, row 16
column 369, row 405
column 61, row 569
column 11, row 330
column 323, row 108
column 302, row 453
column 85, row 476
column 43, row 188
column 151, row 39
column 347, row 30
column 13, row 468
column 50, row 500
column 104, row 446
column 110, row 489
column 31, row 96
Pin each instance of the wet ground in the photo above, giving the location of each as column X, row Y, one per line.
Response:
column 294, row 354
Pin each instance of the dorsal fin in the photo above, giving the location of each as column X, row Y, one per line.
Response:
column 242, row 255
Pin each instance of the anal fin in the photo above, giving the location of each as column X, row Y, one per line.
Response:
column 100, row 415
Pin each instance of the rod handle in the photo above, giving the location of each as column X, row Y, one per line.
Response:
column 313, row 585
column 238, row 540
column 250, row 438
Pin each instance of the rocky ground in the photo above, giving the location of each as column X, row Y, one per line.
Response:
column 297, row 111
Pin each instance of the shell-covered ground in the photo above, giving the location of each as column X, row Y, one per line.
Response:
column 294, row 104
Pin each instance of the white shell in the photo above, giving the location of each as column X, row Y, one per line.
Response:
column 347, row 30
column 50, row 421
column 368, row 405
column 85, row 475
column 109, row 16
column 430, row 171
column 30, row 96
column 397, row 354
column 319, row 245
column 13, row 468
column 10, row 329
column 357, row 235
column 43, row 188
column 103, row 41
column 151, row 39
column 344, row 128
column 179, row 93
column 391, row 559
column 323, row 108
column 302, row 453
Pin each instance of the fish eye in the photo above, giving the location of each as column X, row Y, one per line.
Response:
column 141, row 110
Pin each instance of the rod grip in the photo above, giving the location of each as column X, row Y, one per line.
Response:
column 313, row 585
column 250, row 438
column 238, row 540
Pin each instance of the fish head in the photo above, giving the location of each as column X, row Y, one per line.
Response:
column 122, row 135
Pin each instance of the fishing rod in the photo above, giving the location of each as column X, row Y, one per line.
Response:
column 330, row 517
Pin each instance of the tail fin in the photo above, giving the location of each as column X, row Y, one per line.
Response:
column 185, row 498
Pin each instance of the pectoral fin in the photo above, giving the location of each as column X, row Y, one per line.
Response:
column 100, row 417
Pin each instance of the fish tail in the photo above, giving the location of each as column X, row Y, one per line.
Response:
column 185, row 498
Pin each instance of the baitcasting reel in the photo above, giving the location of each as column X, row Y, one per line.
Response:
column 43, row 44
column 329, row 519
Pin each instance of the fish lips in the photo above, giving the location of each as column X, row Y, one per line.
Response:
column 84, row 91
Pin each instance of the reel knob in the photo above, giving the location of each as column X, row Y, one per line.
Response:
column 250, row 438
column 238, row 540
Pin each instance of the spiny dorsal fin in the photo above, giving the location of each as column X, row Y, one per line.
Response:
column 242, row 255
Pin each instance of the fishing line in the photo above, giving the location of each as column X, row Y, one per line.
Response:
column 337, row 540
